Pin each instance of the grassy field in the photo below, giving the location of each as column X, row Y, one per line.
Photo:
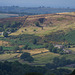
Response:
column 44, row 57
column 72, row 49
column 46, row 30
column 7, row 56
column 52, row 23
column 69, row 68
column 38, row 31
column 41, row 56
column 36, row 51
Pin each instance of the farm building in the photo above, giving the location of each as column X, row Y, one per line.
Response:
column 67, row 51
column 59, row 46
column 1, row 33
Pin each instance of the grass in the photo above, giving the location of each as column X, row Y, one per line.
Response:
column 60, row 19
column 45, row 31
column 44, row 57
column 72, row 49
column 69, row 68
column 30, row 30
column 36, row 51
column 41, row 56
column 70, row 37
column 8, row 48
column 68, row 56
column 3, row 43
column 7, row 56
column 53, row 23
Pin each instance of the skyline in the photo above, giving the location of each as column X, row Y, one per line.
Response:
column 37, row 3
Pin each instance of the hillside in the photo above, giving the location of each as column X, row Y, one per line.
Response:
column 46, row 40
column 46, row 25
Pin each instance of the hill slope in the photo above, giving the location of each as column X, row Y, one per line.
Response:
column 47, row 23
column 40, row 24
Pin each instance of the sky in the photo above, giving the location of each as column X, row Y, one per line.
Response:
column 37, row 3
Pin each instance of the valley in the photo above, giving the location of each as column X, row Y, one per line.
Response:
column 48, row 38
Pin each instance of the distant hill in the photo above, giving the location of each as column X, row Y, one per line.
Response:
column 33, row 10
column 6, row 15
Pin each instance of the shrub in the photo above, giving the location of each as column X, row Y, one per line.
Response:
column 41, row 20
column 34, row 41
column 37, row 24
column 1, row 49
column 27, row 57
column 5, row 34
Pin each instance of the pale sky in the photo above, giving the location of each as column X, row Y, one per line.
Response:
column 37, row 3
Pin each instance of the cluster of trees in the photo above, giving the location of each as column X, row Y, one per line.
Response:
column 53, row 49
column 16, row 68
column 41, row 20
column 1, row 50
column 5, row 34
column 27, row 47
column 29, row 41
column 27, row 57
column 10, row 27
column 59, row 62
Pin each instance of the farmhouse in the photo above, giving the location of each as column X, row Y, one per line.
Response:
column 1, row 33
column 67, row 51
column 59, row 46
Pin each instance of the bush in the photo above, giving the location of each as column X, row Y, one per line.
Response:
column 41, row 20
column 16, row 48
column 1, row 49
column 34, row 41
column 46, row 45
column 37, row 24
column 50, row 47
column 26, row 47
column 5, row 34
column 27, row 57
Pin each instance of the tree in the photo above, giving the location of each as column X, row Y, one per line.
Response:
column 1, row 49
column 5, row 34
column 46, row 45
column 73, row 72
column 34, row 41
column 16, row 48
column 26, row 57
column 50, row 47
column 37, row 24
column 41, row 20
column 55, row 49
column 26, row 46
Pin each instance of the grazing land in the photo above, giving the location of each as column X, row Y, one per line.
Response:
column 38, row 35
